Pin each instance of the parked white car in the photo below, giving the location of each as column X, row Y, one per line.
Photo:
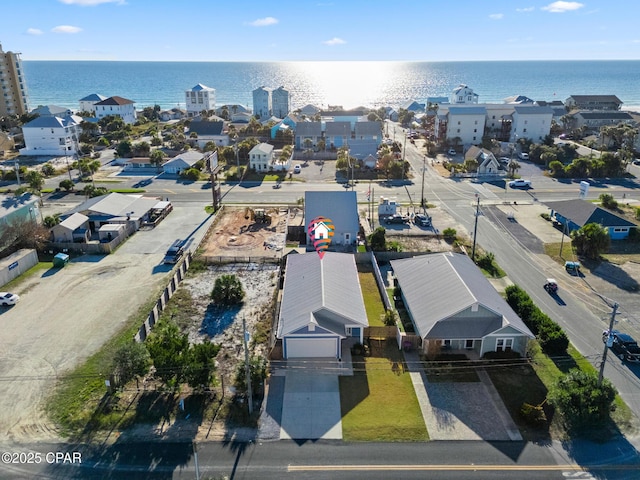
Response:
column 297, row 168
column 520, row 183
column 451, row 151
column 7, row 299
column 523, row 156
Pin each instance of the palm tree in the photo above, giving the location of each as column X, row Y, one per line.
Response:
column 513, row 167
column 156, row 158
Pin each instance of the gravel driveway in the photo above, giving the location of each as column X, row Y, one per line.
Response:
column 66, row 315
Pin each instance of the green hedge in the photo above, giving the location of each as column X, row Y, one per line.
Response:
column 553, row 340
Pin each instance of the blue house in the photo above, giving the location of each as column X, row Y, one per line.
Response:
column 574, row 214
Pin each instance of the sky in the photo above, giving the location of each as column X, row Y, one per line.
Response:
column 321, row 30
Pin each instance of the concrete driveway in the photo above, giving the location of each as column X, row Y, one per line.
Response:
column 311, row 406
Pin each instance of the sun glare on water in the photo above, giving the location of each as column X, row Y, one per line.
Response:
column 349, row 84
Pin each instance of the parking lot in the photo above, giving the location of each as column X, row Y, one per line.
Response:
column 65, row 315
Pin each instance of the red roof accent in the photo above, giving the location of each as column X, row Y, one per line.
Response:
column 115, row 101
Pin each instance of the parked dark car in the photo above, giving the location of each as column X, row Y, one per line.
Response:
column 623, row 345
column 396, row 218
column 422, row 220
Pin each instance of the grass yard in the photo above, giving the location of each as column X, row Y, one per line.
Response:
column 531, row 383
column 379, row 403
column 372, row 301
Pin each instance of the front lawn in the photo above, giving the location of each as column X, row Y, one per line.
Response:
column 378, row 402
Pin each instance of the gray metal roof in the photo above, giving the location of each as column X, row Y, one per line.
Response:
column 74, row 221
column 475, row 110
column 595, row 98
column 185, row 159
column 340, row 207
column 449, row 297
column 368, row 128
column 54, row 122
column 533, row 110
column 326, row 291
column 93, row 97
column 582, row 212
column 604, row 115
column 116, row 205
column 206, row 128
column 309, row 129
column 338, row 128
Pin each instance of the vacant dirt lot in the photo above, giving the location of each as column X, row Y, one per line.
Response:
column 224, row 325
column 240, row 233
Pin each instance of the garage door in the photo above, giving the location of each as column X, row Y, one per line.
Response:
column 311, row 347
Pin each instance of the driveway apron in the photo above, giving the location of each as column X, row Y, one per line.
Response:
column 311, row 406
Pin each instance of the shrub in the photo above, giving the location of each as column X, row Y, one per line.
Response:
column 449, row 234
column 390, row 317
column 581, row 400
column 67, row 185
column 190, row 174
column 608, row 201
column 228, row 290
column 546, row 216
column 533, row 414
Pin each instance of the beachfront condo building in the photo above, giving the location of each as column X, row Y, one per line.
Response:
column 13, row 90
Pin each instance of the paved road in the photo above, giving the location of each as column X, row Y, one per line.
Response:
column 335, row 459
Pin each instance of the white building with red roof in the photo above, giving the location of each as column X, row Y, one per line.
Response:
column 116, row 106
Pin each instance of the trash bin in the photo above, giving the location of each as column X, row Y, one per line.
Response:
column 60, row 260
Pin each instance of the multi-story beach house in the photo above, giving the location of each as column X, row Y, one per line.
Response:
column 13, row 90
column 88, row 103
column 51, row 135
column 262, row 102
column 199, row 98
column 280, row 102
column 118, row 107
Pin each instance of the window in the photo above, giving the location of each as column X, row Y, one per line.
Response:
column 475, row 130
column 446, row 343
column 458, row 123
column 524, row 130
column 476, row 122
column 468, row 344
column 504, row 344
column 458, row 131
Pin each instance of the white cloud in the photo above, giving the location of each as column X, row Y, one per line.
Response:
column 561, row 7
column 264, row 22
column 34, row 31
column 525, row 10
column 66, row 29
column 91, row 3
column 496, row 16
column 334, row 41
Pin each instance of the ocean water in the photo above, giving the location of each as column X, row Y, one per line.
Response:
column 349, row 84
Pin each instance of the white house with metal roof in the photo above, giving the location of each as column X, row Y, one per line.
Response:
column 321, row 305
column 72, row 229
column 183, row 161
column 341, row 208
column 51, row 135
column 209, row 132
column 532, row 122
column 451, row 303
column 261, row 157
column 87, row 104
column 199, row 98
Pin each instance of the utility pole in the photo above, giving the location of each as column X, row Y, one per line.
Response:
column 475, row 228
column 606, row 344
column 247, row 367
column 422, row 202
